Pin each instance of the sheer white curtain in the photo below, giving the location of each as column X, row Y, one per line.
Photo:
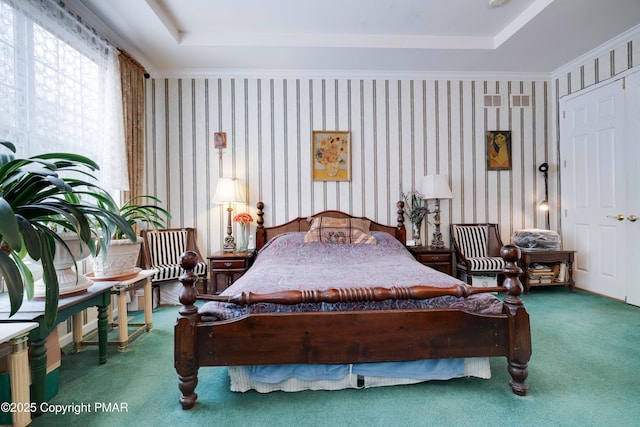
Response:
column 60, row 87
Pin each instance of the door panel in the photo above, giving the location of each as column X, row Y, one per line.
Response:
column 591, row 150
column 632, row 92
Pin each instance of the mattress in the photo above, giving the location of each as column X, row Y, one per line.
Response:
column 287, row 262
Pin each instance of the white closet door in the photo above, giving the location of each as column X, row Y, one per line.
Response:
column 592, row 150
column 632, row 92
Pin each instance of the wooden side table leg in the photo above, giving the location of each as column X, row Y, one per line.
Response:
column 19, row 374
column 38, row 371
column 102, row 334
column 570, row 274
column 123, row 324
column 148, row 304
column 110, row 312
column 76, row 327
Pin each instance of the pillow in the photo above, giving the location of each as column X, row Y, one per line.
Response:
column 340, row 231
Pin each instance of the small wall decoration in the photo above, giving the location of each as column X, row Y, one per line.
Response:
column 331, row 155
column 498, row 149
column 220, row 140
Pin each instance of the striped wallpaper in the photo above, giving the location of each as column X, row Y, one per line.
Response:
column 401, row 130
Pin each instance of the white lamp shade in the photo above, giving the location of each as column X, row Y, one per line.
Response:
column 436, row 187
column 228, row 190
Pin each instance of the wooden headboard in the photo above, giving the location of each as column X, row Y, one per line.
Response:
column 264, row 234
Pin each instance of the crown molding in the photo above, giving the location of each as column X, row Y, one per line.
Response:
column 351, row 74
column 597, row 52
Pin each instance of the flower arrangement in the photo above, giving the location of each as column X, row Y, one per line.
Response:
column 243, row 218
column 413, row 206
column 331, row 150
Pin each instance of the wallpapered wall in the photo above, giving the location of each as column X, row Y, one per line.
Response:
column 401, row 130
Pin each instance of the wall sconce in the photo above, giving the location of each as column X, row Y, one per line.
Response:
column 544, row 205
column 436, row 187
column 228, row 190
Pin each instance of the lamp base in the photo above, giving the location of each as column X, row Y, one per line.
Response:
column 229, row 244
column 437, row 242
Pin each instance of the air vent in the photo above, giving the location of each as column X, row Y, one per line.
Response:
column 520, row 101
column 492, row 101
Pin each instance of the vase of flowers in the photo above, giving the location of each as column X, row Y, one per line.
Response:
column 244, row 219
column 416, row 212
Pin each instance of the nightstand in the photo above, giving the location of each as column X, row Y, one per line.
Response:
column 440, row 259
column 557, row 268
column 226, row 267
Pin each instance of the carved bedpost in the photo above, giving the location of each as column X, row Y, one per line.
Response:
column 261, row 233
column 519, row 328
column 185, row 360
column 401, row 231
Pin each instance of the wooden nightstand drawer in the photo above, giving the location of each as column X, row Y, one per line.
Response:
column 227, row 267
column 428, row 258
column 440, row 259
column 228, row 264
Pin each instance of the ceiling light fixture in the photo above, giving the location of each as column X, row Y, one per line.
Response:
column 497, row 3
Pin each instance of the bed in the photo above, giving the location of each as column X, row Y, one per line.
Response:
column 347, row 304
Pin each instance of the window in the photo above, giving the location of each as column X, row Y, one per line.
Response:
column 60, row 88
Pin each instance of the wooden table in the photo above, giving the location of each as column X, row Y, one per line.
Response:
column 120, row 290
column 16, row 335
column 98, row 295
column 548, row 257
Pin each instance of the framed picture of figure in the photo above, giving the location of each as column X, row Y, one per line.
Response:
column 220, row 140
column 498, row 150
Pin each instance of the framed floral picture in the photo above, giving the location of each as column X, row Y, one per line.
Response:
column 331, row 155
column 498, row 150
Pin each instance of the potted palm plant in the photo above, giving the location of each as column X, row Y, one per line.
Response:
column 38, row 195
column 120, row 260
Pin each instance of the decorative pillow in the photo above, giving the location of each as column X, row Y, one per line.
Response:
column 340, row 231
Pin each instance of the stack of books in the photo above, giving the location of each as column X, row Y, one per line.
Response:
column 540, row 274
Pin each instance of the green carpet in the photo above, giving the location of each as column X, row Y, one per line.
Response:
column 583, row 371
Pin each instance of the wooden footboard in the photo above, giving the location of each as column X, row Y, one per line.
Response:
column 352, row 337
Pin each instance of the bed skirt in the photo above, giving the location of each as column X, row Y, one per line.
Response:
column 241, row 381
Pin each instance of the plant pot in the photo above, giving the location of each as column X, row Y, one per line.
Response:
column 119, row 261
column 69, row 281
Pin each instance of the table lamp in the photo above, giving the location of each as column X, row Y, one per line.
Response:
column 436, row 187
column 228, row 190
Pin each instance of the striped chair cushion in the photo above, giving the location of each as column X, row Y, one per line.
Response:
column 472, row 240
column 170, row 272
column 485, row 264
column 165, row 248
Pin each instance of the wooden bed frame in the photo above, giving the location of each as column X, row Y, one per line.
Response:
column 349, row 337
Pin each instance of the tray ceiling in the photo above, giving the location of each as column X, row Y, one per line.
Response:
column 174, row 37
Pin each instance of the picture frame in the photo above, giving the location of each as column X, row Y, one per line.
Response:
column 220, row 140
column 331, row 155
column 498, row 149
